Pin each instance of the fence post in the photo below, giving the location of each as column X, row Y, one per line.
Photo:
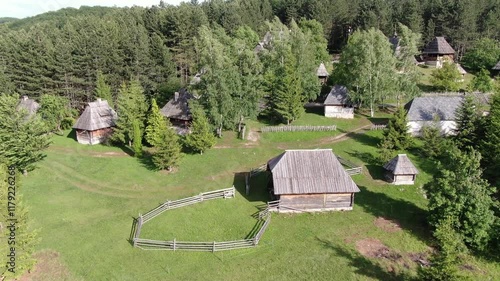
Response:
column 174, row 244
column 213, row 247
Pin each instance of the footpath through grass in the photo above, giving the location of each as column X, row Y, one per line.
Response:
column 84, row 198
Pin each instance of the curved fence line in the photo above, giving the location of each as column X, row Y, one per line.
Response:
column 289, row 128
column 213, row 246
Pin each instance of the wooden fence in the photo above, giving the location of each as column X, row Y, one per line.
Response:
column 378, row 127
column 213, row 246
column 353, row 169
column 298, row 128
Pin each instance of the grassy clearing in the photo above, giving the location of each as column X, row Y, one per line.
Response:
column 425, row 81
column 83, row 198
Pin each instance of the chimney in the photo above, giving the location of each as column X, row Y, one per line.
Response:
column 25, row 97
column 176, row 96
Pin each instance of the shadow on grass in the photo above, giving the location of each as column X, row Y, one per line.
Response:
column 132, row 231
column 365, row 139
column 405, row 213
column 363, row 265
column 373, row 165
column 258, row 186
column 72, row 135
column 146, row 161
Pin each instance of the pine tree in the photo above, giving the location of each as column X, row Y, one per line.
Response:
column 168, row 149
column 467, row 119
column 446, row 78
column 433, row 141
column 25, row 237
column 103, row 90
column 201, row 137
column 482, row 82
column 489, row 144
column 458, row 193
column 137, row 138
column 396, row 132
column 156, row 122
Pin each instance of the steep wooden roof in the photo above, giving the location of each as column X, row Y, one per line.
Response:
column 337, row 96
column 461, row 69
column 439, row 46
column 322, row 72
column 401, row 165
column 178, row 107
column 97, row 115
column 30, row 105
column 497, row 66
column 425, row 108
column 309, row 171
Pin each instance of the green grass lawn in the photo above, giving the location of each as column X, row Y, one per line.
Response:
column 84, row 198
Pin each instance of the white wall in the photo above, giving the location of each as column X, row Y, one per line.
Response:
column 339, row 112
column 447, row 127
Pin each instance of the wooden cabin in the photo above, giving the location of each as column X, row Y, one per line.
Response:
column 400, row 170
column 96, row 123
column 438, row 51
column 337, row 103
column 310, row 180
column 322, row 73
column 177, row 109
column 30, row 105
column 423, row 111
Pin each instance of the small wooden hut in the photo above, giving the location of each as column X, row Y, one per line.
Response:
column 30, row 105
column 311, row 180
column 438, row 51
column 96, row 123
column 337, row 103
column 322, row 73
column 177, row 109
column 400, row 170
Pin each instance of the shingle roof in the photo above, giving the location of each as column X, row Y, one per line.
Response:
column 461, row 69
column 337, row 96
column 178, row 108
column 29, row 104
column 322, row 71
column 425, row 108
column 439, row 46
column 309, row 171
column 497, row 66
column 97, row 115
column 401, row 165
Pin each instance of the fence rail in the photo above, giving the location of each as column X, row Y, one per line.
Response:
column 213, row 246
column 298, row 128
column 378, row 127
column 353, row 169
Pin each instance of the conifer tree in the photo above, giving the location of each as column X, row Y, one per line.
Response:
column 168, row 149
column 156, row 122
column 397, row 130
column 433, row 141
column 25, row 237
column 103, row 90
column 489, row 144
column 137, row 138
column 467, row 120
column 201, row 137
column 482, row 82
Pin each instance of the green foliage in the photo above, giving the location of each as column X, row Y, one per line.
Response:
column 201, row 137
column 468, row 124
column 23, row 138
column 367, row 67
column 445, row 262
column 459, row 194
column 137, row 138
column 408, row 75
column 54, row 110
column 484, row 54
column 434, row 142
column 482, row 82
column 168, row 149
column 155, row 125
column 131, row 107
column 26, row 239
column 103, row 90
column 396, row 132
column 446, row 78
column 489, row 144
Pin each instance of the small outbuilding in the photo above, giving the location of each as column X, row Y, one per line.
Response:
column 30, row 105
column 96, row 123
column 400, row 170
column 322, row 73
column 177, row 109
column 496, row 69
column 310, row 180
column 438, row 51
column 337, row 103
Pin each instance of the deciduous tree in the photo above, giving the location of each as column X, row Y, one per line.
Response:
column 446, row 78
